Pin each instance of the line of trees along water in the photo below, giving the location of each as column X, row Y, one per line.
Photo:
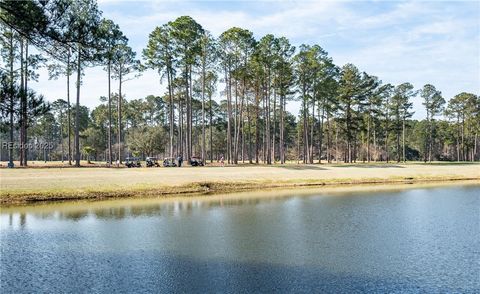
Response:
column 345, row 114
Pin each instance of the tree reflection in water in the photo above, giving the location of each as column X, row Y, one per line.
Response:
column 127, row 209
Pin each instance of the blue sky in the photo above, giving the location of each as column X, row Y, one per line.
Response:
column 421, row 42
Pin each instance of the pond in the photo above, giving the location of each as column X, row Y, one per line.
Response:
column 417, row 239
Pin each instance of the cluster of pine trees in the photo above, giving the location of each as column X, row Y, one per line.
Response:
column 346, row 115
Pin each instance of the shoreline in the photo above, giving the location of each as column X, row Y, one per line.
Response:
column 207, row 188
column 24, row 186
column 228, row 198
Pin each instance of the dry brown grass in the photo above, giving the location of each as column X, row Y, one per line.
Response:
column 41, row 184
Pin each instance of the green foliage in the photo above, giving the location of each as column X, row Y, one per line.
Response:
column 147, row 140
column 88, row 151
column 345, row 114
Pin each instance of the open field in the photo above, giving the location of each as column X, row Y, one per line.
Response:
column 49, row 184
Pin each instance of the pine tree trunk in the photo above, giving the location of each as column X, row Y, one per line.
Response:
column 463, row 138
column 24, row 110
column 211, row 128
column 171, row 111
column 274, row 124
column 249, row 129
column 239, row 123
column 77, row 111
column 61, row 134
column 398, row 143
column 368, row 135
column 430, row 141
column 235, row 125
column 267, row 125
column 11, row 96
column 310, row 152
column 69, row 112
column 386, row 145
column 257, row 124
column 305, row 126
column 203, row 114
column 320, row 130
column 189, row 115
column 264, row 134
column 459, row 130
column 109, row 114
column 349, row 136
column 22, row 102
column 190, row 133
column 403, row 141
column 119, row 115
column 229, row 116
column 298, row 146
column 281, row 145
column 328, row 138
column 180, row 128
column 243, row 142
column 336, row 142
column 475, row 148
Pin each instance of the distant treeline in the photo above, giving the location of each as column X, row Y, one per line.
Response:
column 346, row 115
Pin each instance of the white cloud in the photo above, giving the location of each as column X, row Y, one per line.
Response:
column 415, row 41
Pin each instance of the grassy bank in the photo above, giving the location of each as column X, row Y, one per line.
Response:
column 52, row 184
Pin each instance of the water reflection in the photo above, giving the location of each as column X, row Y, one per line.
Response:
column 131, row 208
column 82, row 210
column 418, row 240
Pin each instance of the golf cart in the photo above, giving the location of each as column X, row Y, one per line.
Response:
column 132, row 162
column 152, row 161
column 169, row 162
column 196, row 161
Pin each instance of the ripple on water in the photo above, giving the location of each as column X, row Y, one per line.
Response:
column 420, row 240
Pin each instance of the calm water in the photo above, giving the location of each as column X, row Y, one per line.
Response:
column 416, row 240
